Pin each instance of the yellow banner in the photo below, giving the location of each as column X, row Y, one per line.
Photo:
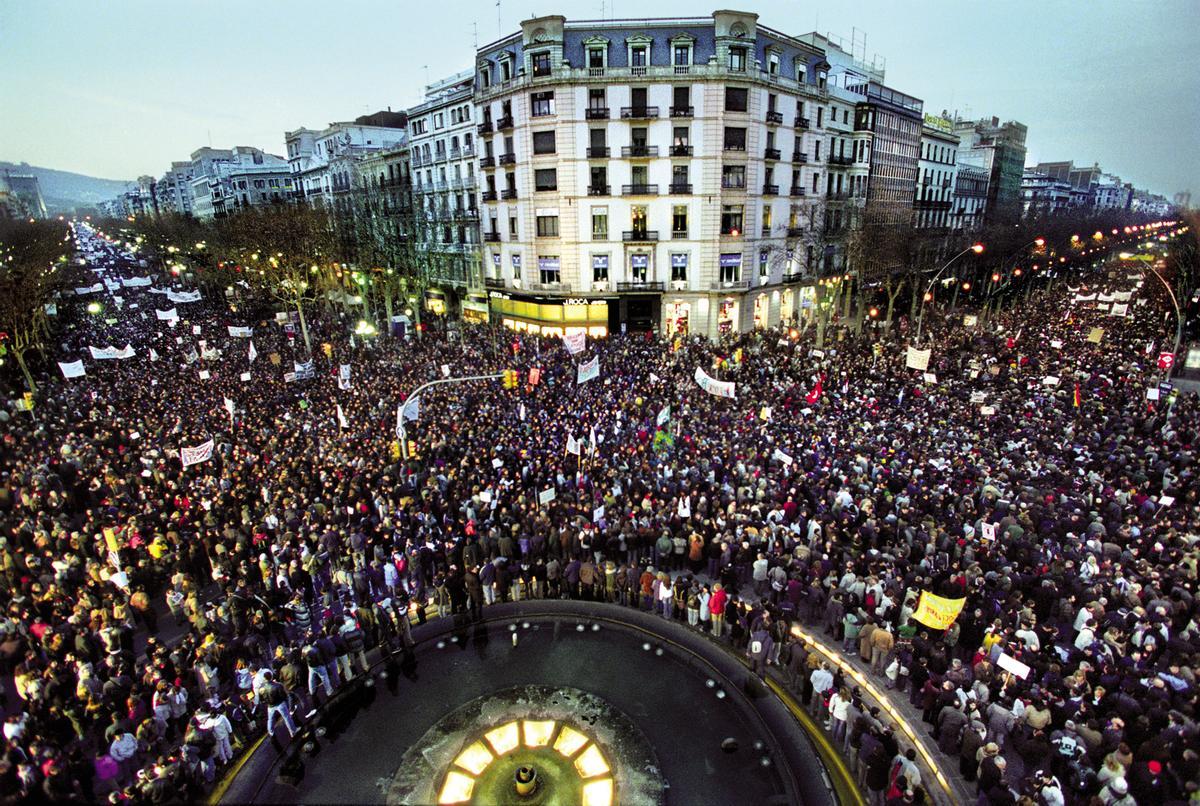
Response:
column 937, row 612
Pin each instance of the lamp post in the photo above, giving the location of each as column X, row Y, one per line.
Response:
column 1178, row 312
column 402, row 432
column 976, row 248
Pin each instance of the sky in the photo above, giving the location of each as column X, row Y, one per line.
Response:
column 121, row 88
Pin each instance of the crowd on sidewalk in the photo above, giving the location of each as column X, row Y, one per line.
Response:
column 833, row 489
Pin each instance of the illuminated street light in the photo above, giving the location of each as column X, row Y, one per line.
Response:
column 93, row 308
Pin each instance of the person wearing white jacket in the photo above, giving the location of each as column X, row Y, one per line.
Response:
column 221, row 729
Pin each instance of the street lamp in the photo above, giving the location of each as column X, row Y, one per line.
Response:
column 976, row 248
column 1178, row 312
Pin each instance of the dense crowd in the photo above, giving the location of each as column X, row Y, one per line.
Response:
column 160, row 617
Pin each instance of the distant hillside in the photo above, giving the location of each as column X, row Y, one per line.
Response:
column 63, row 190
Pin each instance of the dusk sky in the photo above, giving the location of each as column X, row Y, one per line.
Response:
column 121, row 88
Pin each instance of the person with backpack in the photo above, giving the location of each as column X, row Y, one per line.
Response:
column 759, row 648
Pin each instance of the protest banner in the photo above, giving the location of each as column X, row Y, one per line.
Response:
column 937, row 612
column 713, row 386
column 917, row 359
column 196, row 455
column 588, row 371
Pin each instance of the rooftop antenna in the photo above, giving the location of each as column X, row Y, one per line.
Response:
column 499, row 21
column 475, row 29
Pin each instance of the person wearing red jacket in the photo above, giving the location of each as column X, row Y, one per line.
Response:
column 716, row 606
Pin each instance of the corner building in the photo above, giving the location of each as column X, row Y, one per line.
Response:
column 648, row 174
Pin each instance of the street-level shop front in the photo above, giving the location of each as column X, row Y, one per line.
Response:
column 552, row 316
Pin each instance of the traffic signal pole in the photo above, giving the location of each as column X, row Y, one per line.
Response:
column 402, row 433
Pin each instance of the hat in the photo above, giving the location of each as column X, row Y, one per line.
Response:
column 1155, row 767
column 1120, row 786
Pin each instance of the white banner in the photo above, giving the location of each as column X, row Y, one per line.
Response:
column 713, row 386
column 1120, row 309
column 166, row 315
column 588, row 371
column 342, row 421
column 229, row 407
column 917, row 359
column 153, row 355
column 136, row 282
column 546, row 496
column 74, row 369
column 782, row 457
column 184, row 296
column 575, row 343
column 157, row 291
column 196, row 455
column 343, row 376
column 304, row 370
column 573, row 446
column 126, row 352
column 240, row 332
column 97, row 287
column 664, row 415
column 103, row 353
column 253, row 354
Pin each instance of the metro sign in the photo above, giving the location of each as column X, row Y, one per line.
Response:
column 1166, row 361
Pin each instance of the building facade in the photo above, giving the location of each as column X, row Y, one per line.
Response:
column 225, row 181
column 174, row 190
column 25, row 191
column 1044, row 195
column 970, row 198
column 999, row 149
column 445, row 188
column 649, row 174
column 937, row 171
column 322, row 163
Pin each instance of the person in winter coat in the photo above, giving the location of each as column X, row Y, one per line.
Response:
column 759, row 649
column 716, row 606
column 950, row 724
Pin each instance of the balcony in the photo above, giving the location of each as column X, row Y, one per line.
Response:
column 503, row 123
column 508, row 194
column 770, row 190
column 639, row 151
column 656, row 286
column 599, row 190
column 490, row 196
column 597, row 152
column 840, row 160
column 771, row 153
column 494, row 282
column 507, row 159
column 801, row 123
column 639, row 190
column 639, row 112
column 735, row 147
column 679, row 235
column 596, row 113
column 485, row 127
column 467, row 214
column 487, row 162
column 559, row 286
column 793, row 277
column 639, row 236
column 731, row 285
column 774, row 118
column 799, row 156
column 491, row 237
column 946, row 184
column 679, row 189
column 795, row 232
column 681, row 151
column 455, row 153
column 683, row 111
column 733, row 184
column 796, row 191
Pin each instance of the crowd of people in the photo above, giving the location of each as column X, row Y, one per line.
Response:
column 159, row 617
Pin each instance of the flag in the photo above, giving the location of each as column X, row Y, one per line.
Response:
column 74, row 369
column 592, row 443
column 589, row 370
column 196, row 455
column 342, row 421
column 573, row 446
column 229, row 407
column 521, row 412
column 412, row 408
column 535, row 375
column 1078, row 399
column 937, row 612
column 815, row 394
column 343, row 376
column 352, row 341
column 252, row 354
column 575, row 343
column 153, row 355
column 663, row 416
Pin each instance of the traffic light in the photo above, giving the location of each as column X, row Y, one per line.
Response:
column 510, row 379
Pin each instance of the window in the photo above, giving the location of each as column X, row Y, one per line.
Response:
column 505, row 70
column 599, row 268
column 548, row 269
column 820, row 113
column 736, row 99
column 815, row 179
column 733, row 176
column 637, row 56
column 737, row 59
column 801, row 74
column 731, row 219
column 822, row 79
column 637, row 137
column 512, row 226
column 595, row 58
column 541, row 63
column 596, row 99
column 731, row 268
column 766, row 218
column 680, row 136
column 683, row 98
column 639, row 175
column 764, row 267
column 679, row 174
column 545, row 179
column 438, row 121
column 547, row 226
column 679, row 268
column 599, row 180
column 679, row 218
column 543, row 142
column 639, row 267
column 600, row 223
column 817, row 149
column 596, row 138
column 542, row 104
column 773, row 64
column 485, row 77
column 682, row 55
column 735, row 138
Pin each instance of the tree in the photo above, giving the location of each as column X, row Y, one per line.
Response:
column 283, row 249
column 31, row 255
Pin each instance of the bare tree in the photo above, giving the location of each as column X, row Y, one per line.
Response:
column 31, row 256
